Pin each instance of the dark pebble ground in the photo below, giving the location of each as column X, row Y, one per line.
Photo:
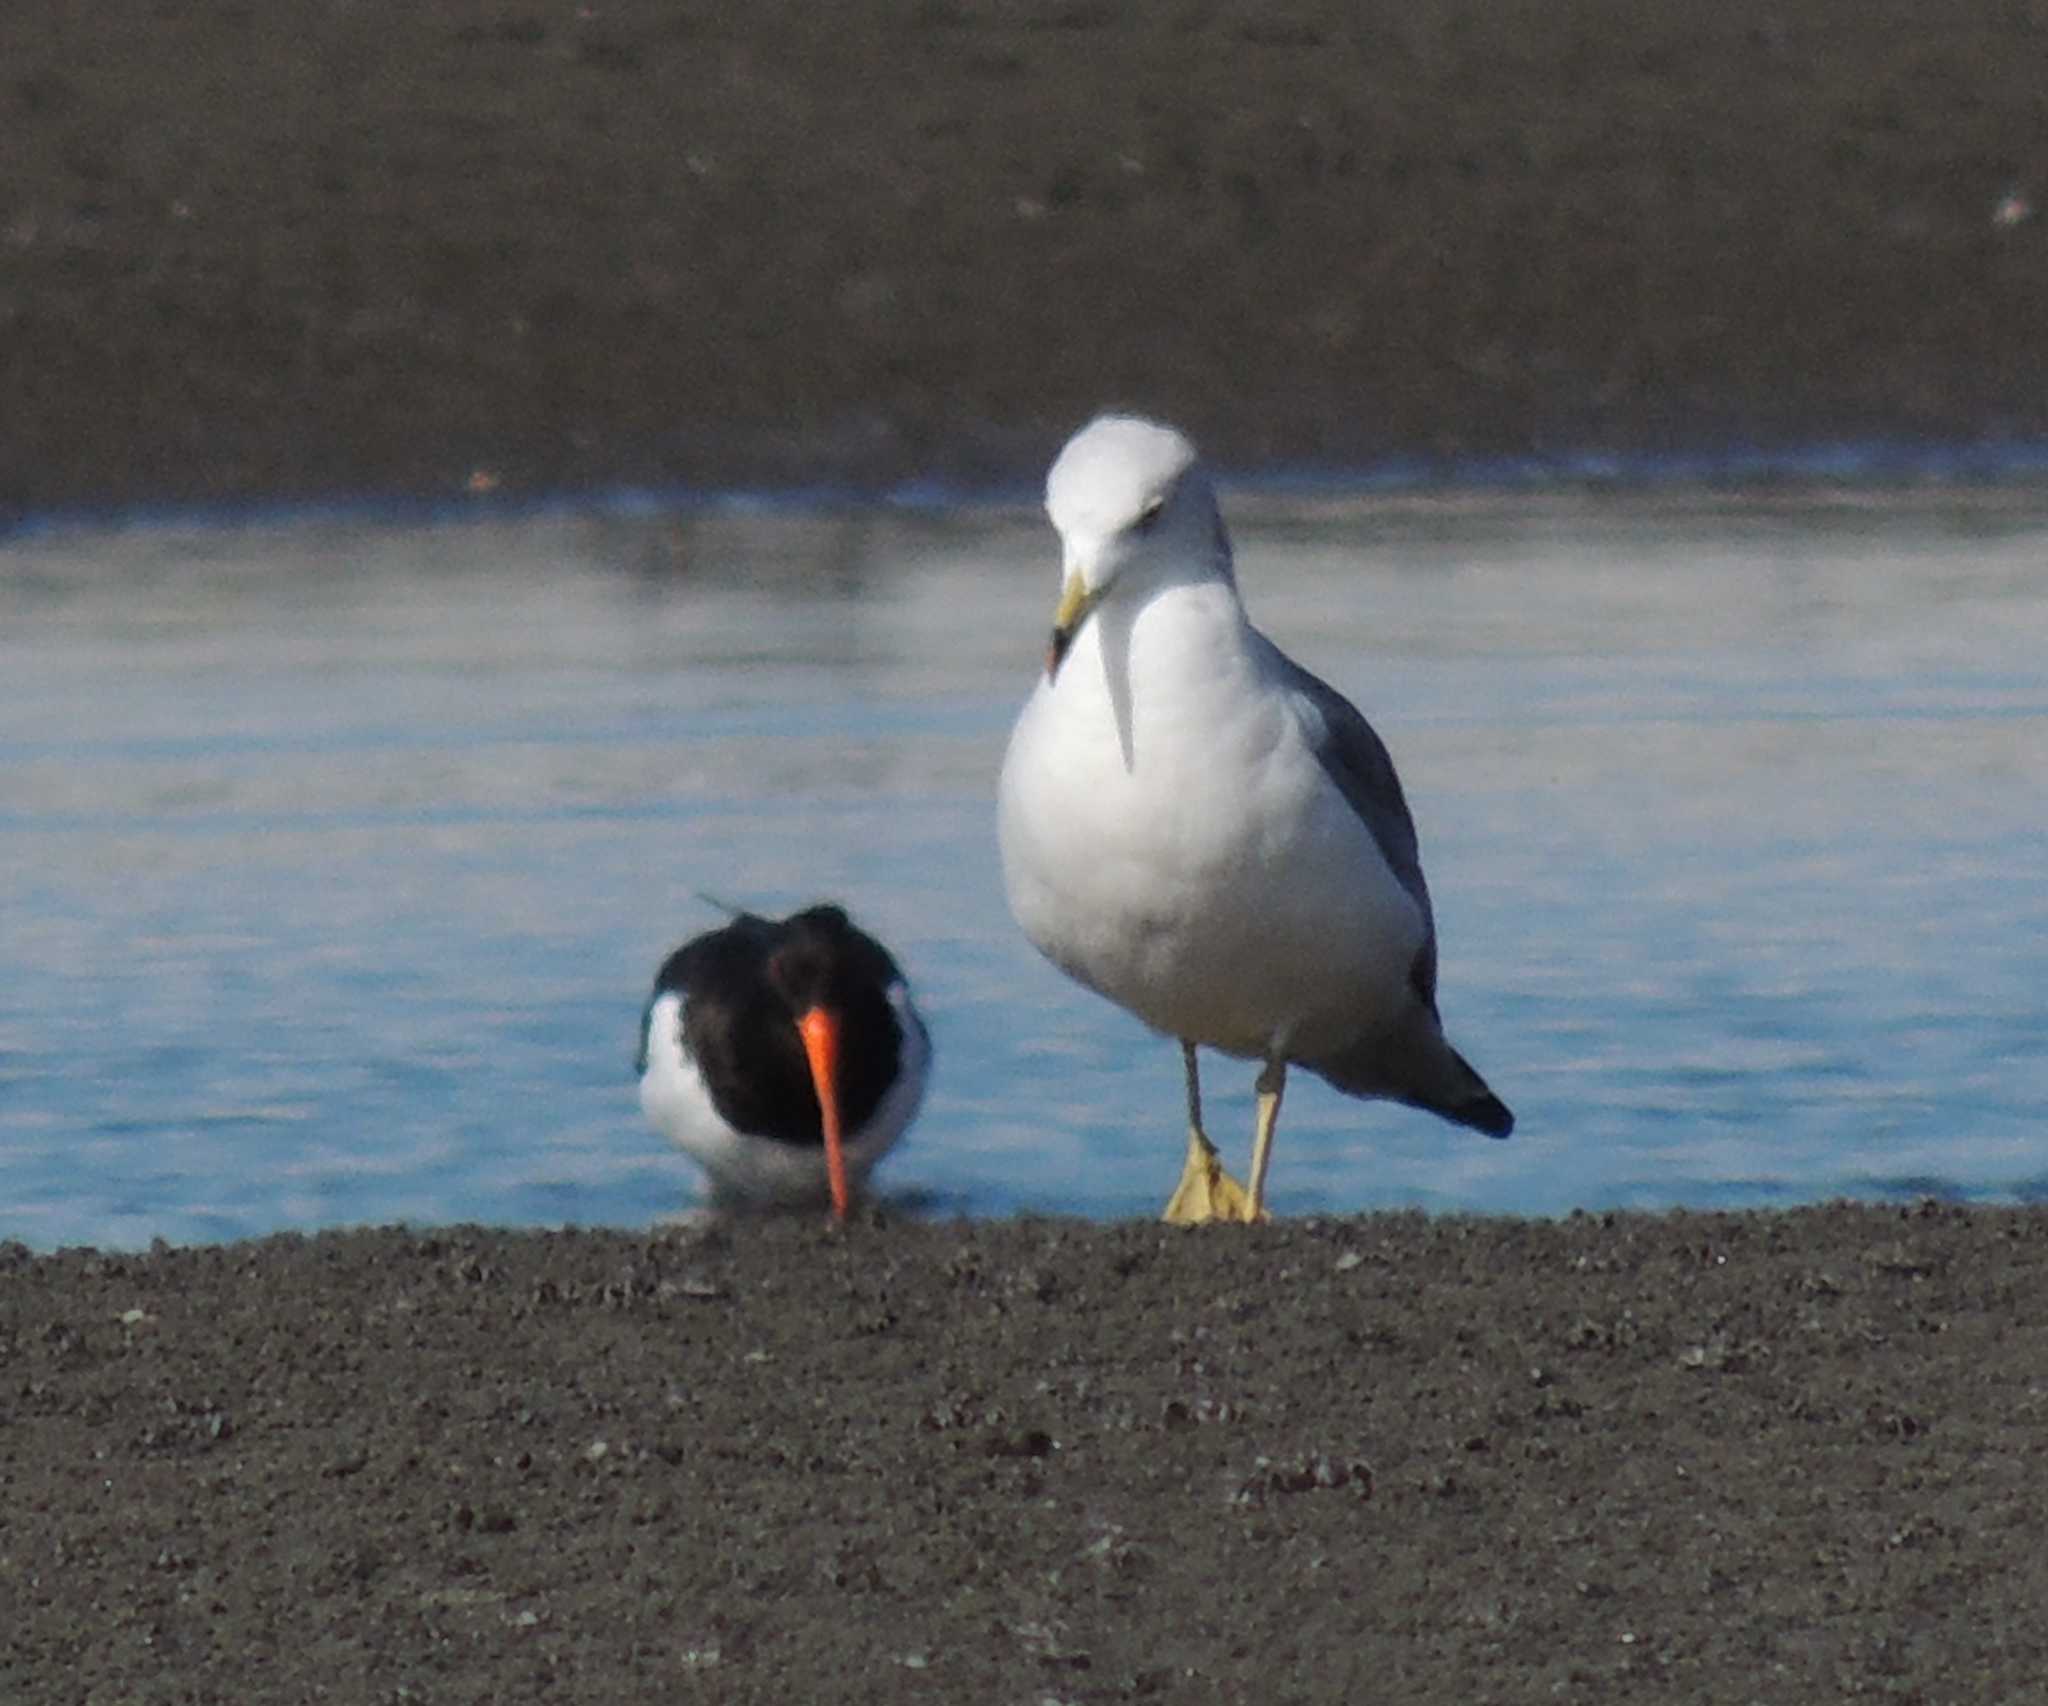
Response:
column 1792, row 1458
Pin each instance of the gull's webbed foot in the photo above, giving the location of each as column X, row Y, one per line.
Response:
column 1206, row 1192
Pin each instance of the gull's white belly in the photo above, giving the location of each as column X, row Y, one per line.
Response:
column 1218, row 885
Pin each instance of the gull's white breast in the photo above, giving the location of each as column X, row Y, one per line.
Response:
column 1196, row 864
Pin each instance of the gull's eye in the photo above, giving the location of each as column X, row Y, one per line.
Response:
column 1148, row 517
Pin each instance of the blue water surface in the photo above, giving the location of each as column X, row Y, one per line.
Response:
column 335, row 857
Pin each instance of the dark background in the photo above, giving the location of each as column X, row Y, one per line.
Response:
column 295, row 247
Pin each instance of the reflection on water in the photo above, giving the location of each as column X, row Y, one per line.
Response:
column 335, row 863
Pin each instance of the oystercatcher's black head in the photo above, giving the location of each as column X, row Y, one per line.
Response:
column 791, row 1027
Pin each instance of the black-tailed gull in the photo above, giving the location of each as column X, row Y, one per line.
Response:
column 1196, row 827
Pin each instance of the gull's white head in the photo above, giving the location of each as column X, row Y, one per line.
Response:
column 1134, row 510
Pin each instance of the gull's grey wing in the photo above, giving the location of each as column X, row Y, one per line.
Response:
column 1357, row 761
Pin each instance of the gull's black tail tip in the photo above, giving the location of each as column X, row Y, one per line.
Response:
column 1479, row 1107
column 1488, row 1114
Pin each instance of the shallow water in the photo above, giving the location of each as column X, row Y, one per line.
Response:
column 335, row 860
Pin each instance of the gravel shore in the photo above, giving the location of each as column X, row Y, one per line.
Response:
column 1730, row 1458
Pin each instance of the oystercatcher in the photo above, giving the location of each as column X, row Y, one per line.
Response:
column 784, row 1056
column 1196, row 827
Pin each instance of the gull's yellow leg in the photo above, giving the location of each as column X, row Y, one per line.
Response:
column 1206, row 1191
column 1272, row 1083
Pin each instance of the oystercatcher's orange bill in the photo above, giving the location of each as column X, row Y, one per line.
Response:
column 820, row 1031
